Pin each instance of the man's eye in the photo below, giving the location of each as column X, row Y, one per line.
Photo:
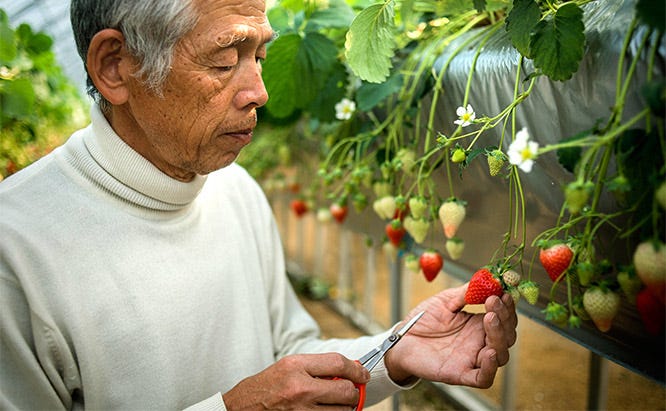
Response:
column 224, row 68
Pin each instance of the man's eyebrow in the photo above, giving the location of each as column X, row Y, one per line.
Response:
column 239, row 37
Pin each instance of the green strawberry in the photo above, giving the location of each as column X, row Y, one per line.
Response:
column 630, row 284
column 660, row 195
column 407, row 160
column 412, row 263
column 556, row 313
column 451, row 215
column 496, row 159
column 382, row 188
column 577, row 194
column 360, row 202
column 417, row 228
column 418, row 207
column 515, row 294
column 585, row 272
column 602, row 305
column 455, row 247
column 459, row 155
column 529, row 290
column 650, row 264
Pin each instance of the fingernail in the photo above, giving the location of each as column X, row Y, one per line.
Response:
column 494, row 321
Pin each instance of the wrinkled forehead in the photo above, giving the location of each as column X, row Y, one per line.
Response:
column 228, row 22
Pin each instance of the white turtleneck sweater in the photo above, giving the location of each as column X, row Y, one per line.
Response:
column 122, row 288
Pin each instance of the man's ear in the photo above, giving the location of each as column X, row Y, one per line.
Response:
column 109, row 65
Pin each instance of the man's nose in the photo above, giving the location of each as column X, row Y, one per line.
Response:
column 252, row 91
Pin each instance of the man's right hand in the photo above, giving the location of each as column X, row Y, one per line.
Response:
column 299, row 382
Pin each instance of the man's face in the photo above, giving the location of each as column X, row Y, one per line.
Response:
column 208, row 109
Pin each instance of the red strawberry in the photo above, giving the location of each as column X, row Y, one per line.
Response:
column 482, row 285
column 299, row 206
column 451, row 214
column 602, row 305
column 651, row 311
column 556, row 259
column 650, row 265
column 338, row 211
column 431, row 263
column 395, row 231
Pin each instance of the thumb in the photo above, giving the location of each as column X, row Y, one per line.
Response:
column 456, row 300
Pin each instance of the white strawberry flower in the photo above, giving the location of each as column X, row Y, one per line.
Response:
column 344, row 109
column 466, row 116
column 522, row 152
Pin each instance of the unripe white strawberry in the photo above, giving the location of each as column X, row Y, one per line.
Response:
column 650, row 265
column 455, row 247
column 451, row 214
column 417, row 228
column 418, row 207
column 511, row 278
column 385, row 207
column 602, row 305
column 660, row 195
column 324, row 215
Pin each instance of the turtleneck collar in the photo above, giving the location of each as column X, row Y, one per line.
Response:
column 148, row 186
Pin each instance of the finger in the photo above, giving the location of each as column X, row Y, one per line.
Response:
column 456, row 297
column 332, row 365
column 496, row 339
column 336, row 392
column 506, row 312
column 484, row 376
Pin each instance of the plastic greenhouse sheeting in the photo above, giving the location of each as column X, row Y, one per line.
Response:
column 553, row 111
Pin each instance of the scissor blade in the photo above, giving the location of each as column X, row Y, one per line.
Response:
column 409, row 324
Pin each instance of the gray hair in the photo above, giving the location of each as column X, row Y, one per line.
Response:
column 151, row 29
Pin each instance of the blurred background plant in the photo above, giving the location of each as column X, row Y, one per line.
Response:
column 354, row 91
column 39, row 105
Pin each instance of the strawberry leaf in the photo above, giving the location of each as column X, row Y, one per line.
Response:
column 557, row 44
column 279, row 75
column 315, row 59
column 370, row 43
column 370, row 95
column 522, row 18
column 338, row 14
column 296, row 71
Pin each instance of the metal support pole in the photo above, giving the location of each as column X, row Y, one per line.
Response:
column 370, row 283
column 396, row 306
column 597, row 394
column 344, row 273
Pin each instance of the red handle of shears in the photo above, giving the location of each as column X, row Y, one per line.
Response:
column 361, row 393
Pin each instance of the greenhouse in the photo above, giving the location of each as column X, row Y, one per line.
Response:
column 333, row 204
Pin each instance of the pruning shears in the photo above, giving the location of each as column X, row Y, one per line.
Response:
column 374, row 356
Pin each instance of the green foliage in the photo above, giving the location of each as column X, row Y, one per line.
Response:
column 522, row 18
column 557, row 44
column 370, row 44
column 39, row 106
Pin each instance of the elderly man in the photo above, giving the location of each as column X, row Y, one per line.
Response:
column 141, row 267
